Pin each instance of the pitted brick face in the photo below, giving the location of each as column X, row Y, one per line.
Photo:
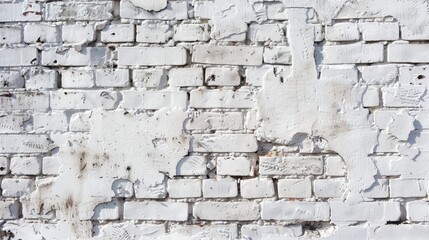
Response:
column 214, row 119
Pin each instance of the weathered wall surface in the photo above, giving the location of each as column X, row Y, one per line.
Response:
column 226, row 119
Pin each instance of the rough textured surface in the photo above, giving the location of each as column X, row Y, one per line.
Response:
column 222, row 119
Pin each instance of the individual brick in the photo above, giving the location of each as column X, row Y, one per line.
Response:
column 9, row 209
column 89, row 56
column 184, row 188
column 380, row 189
column 380, row 31
column 346, row 31
column 275, row 232
column 408, row 188
column 220, row 188
column 215, row 121
column 40, row 78
column 408, row 53
column 12, row 12
column 204, row 9
column 153, row 33
column 22, row 100
column 29, row 143
column 123, row 188
column 401, row 231
column 222, row 76
column 276, row 11
column 291, row 165
column 13, row 123
column 63, row 100
column 295, row 211
column 415, row 75
column 185, row 77
column 11, row 79
column 78, row 33
column 371, row 97
column 118, row 33
column 418, row 211
column 26, row 165
column 224, row 143
column 173, row 11
column 353, row 53
column 77, row 78
column 277, row 55
column 202, row 98
column 112, row 77
column 235, row 166
column 265, row 32
column 79, row 11
column 4, row 166
column 218, row 232
column 227, row 55
column 16, row 187
column 150, row 78
column 294, row 188
column 330, row 188
column 152, row 56
column 10, row 57
column 379, row 74
column 233, row 211
column 365, row 211
column 192, row 166
column 41, row 33
column 106, row 211
column 408, row 32
column 10, row 34
column 191, row 32
column 154, row 100
column 53, row 121
column 403, row 96
column 151, row 210
column 257, row 188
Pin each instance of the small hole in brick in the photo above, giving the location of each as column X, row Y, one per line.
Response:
column 420, row 77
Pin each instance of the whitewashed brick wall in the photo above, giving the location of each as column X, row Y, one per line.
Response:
column 214, row 119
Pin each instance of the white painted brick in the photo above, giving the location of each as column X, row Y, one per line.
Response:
column 62, row 100
column 276, row 11
column 204, row 9
column 409, row 53
column 251, row 121
column 10, row 57
column 382, row 118
column 295, row 211
column 329, row 188
column 72, row 57
column 31, row 143
column 79, row 11
column 202, row 98
column 290, row 165
column 184, row 188
column 153, row 100
column 38, row 78
column 353, row 53
column 123, row 188
column 236, row 211
column 379, row 31
column 409, row 33
column 220, row 188
column 173, row 11
column 14, row 12
column 11, row 79
column 408, row 188
column 402, row 231
column 371, row 97
column 25, row 165
column 192, row 166
column 224, row 143
column 257, row 188
column 112, row 77
column 319, row 33
column 218, row 232
column 150, row 210
column 13, row 123
column 379, row 190
column 20, row 100
column 347, row 72
column 153, row 33
column 211, row 54
column 191, row 32
column 78, row 33
column 79, row 122
column 379, row 74
column 50, row 122
column 268, row 231
column 255, row 76
column 10, row 34
column 152, row 56
column 4, row 166
column 418, row 211
column 51, row 165
column 386, row 143
column 235, row 166
column 265, row 32
column 403, row 96
column 294, row 188
column 277, row 55
column 9, row 209
column 222, row 76
column 77, row 78
column 16, row 187
column 43, row 33
column 342, row 32
column 335, row 166
column 415, row 75
column 184, row 77
column 365, row 211
column 150, row 78
column 215, row 120
column 118, row 33
column 106, row 211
